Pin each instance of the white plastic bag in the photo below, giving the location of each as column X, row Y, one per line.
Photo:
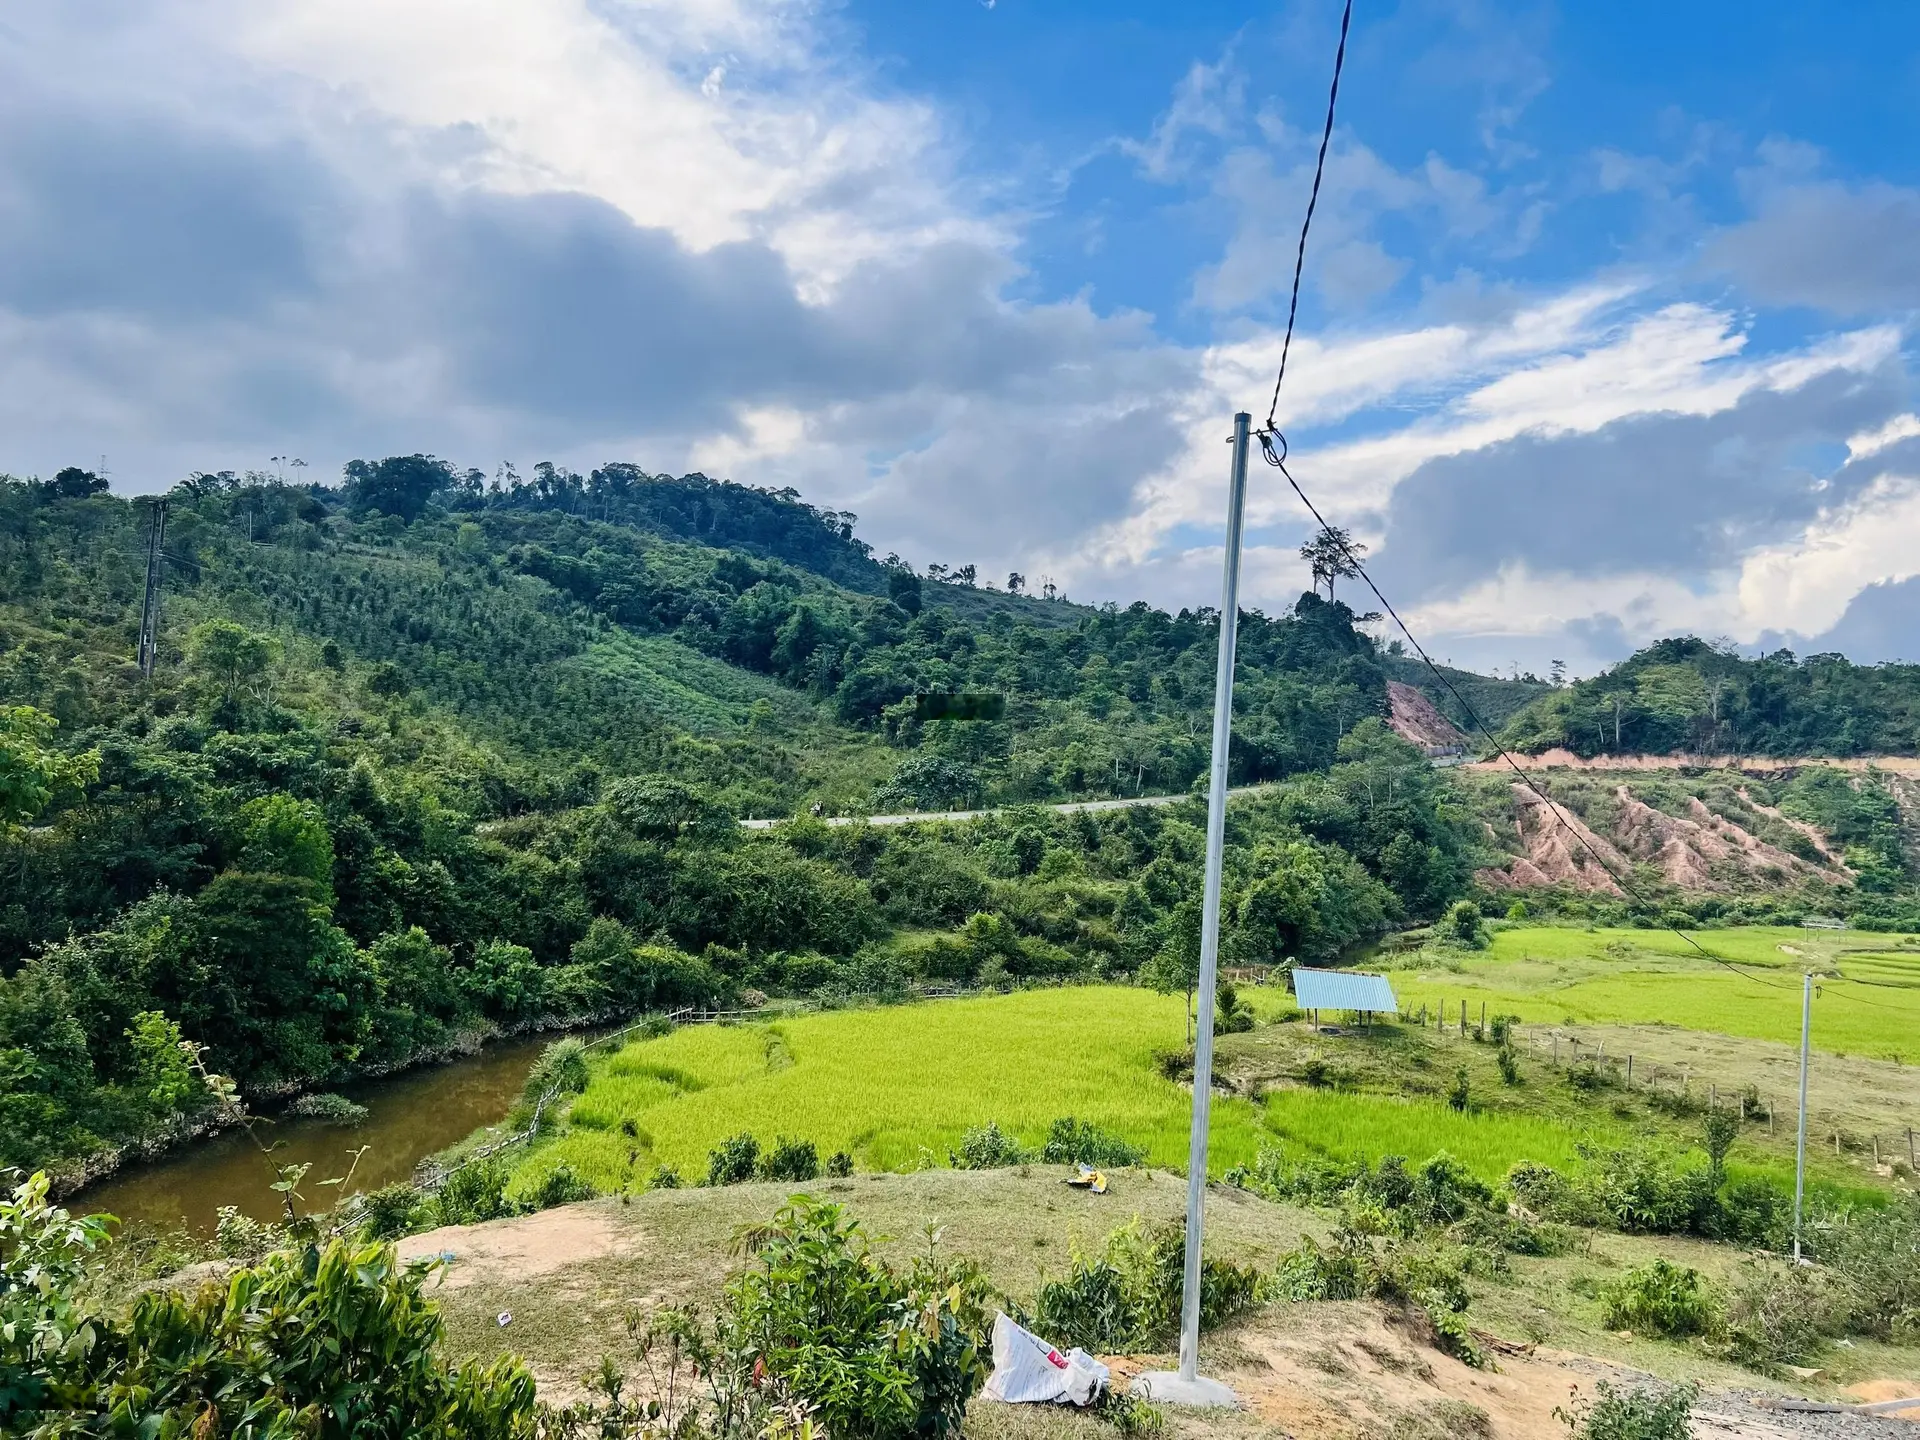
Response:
column 1027, row 1370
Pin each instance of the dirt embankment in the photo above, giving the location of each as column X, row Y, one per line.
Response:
column 1561, row 759
column 1698, row 850
column 1415, row 719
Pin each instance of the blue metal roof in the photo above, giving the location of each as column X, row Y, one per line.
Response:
column 1342, row 990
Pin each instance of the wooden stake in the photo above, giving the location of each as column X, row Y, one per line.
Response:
column 1910, row 1160
column 1629, row 1069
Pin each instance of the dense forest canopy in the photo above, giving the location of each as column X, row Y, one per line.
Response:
column 1685, row 695
column 427, row 758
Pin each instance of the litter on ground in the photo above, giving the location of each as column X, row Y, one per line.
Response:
column 1029, row 1371
column 1089, row 1179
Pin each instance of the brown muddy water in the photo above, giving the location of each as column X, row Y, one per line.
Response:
column 410, row 1116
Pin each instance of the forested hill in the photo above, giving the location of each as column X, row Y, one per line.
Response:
column 1684, row 695
column 424, row 759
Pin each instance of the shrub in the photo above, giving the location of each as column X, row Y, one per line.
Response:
column 1660, row 1298
column 1655, row 1414
column 840, row 1164
column 325, row 1341
column 1464, row 925
column 561, row 1186
column 1461, row 1095
column 334, row 1109
column 391, row 1211
column 664, row 1177
column 1720, row 1130
column 1128, row 1296
column 1876, row 1254
column 1443, row 1190
column 789, row 1160
column 1752, row 1210
column 473, row 1193
column 1780, row 1315
column 734, row 1160
column 1509, row 1065
column 1231, row 1014
column 823, row 1321
column 987, row 1147
column 560, row 1070
column 1427, row 1283
column 1081, row 1142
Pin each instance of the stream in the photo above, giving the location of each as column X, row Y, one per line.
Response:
column 410, row 1116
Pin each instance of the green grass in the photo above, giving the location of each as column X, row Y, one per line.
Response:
column 896, row 1087
column 1350, row 1127
column 1547, row 974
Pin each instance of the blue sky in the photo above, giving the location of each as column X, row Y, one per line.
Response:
column 1607, row 332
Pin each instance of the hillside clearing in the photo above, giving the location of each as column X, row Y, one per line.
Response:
column 569, row 1278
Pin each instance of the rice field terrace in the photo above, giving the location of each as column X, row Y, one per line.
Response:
column 897, row 1088
column 1551, row 976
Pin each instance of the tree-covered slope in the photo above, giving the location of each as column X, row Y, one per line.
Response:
column 1684, row 695
column 421, row 760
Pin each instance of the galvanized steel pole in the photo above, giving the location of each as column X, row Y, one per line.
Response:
column 1800, row 1146
column 1210, row 912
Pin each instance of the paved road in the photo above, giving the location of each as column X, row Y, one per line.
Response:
column 950, row 816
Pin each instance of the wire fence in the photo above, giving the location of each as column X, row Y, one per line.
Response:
column 1681, row 1089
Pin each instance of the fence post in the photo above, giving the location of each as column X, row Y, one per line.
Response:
column 1556, row 1048
column 1629, row 1070
column 1713, row 1097
column 1910, row 1160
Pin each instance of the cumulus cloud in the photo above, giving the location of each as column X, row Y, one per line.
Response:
column 1849, row 250
column 702, row 233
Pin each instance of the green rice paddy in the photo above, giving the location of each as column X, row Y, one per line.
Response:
column 896, row 1087
column 1548, row 975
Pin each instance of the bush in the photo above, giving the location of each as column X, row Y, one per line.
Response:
column 560, row 1070
column 561, row 1186
column 1780, row 1315
column 1660, row 1298
column 1081, row 1142
column 1509, row 1065
column 334, row 1109
column 1875, row 1252
column 1428, row 1283
column 840, row 1164
column 790, row 1160
column 1655, row 1414
column 330, row 1341
column 1127, row 1298
column 664, row 1177
column 824, row 1322
column 988, row 1147
column 1231, row 1014
column 391, row 1211
column 734, row 1160
column 1460, row 1097
column 474, row 1193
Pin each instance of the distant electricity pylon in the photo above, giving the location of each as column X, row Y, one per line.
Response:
column 150, row 610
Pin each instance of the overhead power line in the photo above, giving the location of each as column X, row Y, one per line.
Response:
column 1273, row 445
column 1313, row 200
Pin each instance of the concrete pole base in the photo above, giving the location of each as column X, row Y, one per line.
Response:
column 1170, row 1388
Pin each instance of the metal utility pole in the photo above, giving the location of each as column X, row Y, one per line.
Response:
column 149, row 647
column 1187, row 1386
column 1800, row 1145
